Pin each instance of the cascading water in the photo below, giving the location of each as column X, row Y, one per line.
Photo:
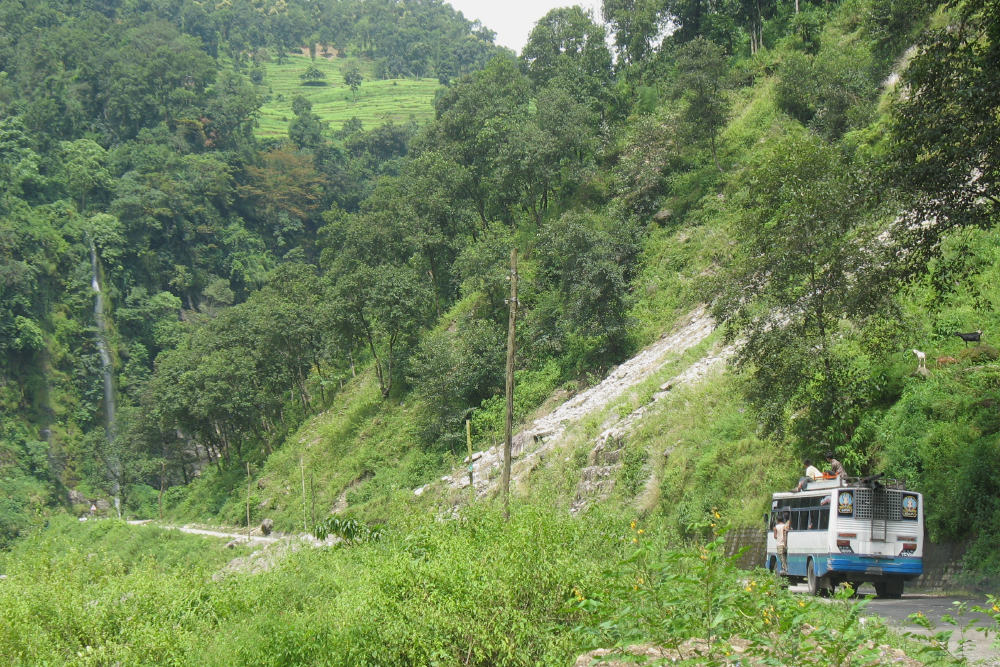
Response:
column 106, row 368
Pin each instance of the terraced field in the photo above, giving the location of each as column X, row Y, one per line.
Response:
column 377, row 101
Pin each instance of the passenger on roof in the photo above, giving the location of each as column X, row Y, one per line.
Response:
column 836, row 468
column 812, row 474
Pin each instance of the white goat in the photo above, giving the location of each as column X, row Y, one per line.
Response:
column 921, row 359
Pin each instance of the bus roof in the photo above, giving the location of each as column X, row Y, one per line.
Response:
column 824, row 486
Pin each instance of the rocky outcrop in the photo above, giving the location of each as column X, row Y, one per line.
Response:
column 533, row 443
column 597, row 481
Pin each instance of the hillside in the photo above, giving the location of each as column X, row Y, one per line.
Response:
column 698, row 447
column 377, row 100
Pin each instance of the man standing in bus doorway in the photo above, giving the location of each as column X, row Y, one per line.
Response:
column 836, row 468
column 781, row 536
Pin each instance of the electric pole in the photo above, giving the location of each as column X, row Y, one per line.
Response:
column 509, row 430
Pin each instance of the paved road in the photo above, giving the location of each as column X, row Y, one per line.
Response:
column 897, row 612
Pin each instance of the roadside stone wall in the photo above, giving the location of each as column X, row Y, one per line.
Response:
column 754, row 539
column 942, row 567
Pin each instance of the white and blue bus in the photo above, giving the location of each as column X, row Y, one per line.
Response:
column 850, row 531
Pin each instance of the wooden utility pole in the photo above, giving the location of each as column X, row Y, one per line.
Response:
column 312, row 498
column 468, row 441
column 248, row 502
column 302, row 468
column 509, row 430
column 163, row 470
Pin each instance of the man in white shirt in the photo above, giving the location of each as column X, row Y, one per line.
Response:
column 812, row 474
column 781, row 535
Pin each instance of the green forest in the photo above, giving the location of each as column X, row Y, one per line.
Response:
column 255, row 264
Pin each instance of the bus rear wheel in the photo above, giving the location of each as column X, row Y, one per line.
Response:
column 891, row 589
column 811, row 578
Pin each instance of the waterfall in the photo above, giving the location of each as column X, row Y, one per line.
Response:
column 106, row 369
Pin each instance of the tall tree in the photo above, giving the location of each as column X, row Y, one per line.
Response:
column 802, row 262
column 946, row 131
column 382, row 308
column 635, row 25
column 84, row 171
column 569, row 45
column 353, row 80
column 701, row 75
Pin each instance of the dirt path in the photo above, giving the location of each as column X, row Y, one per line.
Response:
column 237, row 537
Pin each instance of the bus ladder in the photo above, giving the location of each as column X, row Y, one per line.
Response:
column 880, row 514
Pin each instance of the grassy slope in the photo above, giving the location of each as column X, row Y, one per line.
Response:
column 396, row 100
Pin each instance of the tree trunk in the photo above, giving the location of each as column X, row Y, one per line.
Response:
column 715, row 156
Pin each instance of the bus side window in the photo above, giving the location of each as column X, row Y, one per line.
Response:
column 813, row 519
column 824, row 518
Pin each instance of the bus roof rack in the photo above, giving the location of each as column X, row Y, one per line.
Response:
column 872, row 481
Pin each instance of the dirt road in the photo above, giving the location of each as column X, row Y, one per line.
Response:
column 239, row 537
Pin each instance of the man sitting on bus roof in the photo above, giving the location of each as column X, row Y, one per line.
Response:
column 836, row 468
column 812, row 474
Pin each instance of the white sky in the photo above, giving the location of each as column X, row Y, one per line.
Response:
column 513, row 19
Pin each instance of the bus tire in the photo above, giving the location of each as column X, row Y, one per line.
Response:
column 891, row 589
column 811, row 579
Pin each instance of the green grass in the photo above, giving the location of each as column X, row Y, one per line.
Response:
column 377, row 102
column 362, row 444
column 477, row 591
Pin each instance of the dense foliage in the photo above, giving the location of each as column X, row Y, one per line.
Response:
column 836, row 191
column 477, row 591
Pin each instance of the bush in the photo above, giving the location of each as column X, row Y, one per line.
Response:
column 942, row 437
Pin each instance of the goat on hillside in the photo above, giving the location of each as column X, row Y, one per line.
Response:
column 921, row 359
column 944, row 361
column 973, row 337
